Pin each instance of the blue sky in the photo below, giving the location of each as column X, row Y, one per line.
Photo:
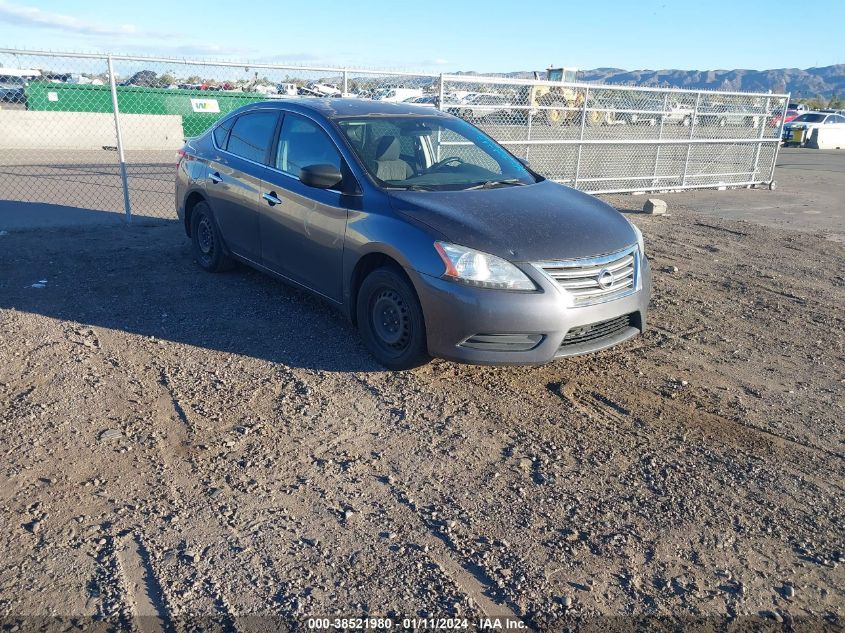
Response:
column 437, row 35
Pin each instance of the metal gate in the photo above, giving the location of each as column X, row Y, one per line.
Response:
column 611, row 139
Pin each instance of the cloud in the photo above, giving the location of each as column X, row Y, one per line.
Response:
column 35, row 17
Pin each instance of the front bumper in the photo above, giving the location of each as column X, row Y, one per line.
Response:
column 455, row 312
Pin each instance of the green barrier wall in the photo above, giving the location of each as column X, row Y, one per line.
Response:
column 197, row 116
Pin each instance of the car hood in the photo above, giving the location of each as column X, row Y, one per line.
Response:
column 529, row 223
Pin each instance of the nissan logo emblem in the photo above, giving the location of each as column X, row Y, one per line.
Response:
column 605, row 279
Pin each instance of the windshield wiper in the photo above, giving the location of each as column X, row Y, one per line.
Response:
column 489, row 184
column 408, row 188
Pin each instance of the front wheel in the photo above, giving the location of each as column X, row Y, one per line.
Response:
column 390, row 320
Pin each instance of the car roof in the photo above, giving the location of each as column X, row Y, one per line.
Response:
column 340, row 108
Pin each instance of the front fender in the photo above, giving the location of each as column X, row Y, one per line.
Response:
column 411, row 246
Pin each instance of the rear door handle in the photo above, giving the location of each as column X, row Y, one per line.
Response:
column 271, row 198
column 215, row 178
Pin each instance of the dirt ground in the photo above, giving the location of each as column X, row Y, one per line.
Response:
column 177, row 444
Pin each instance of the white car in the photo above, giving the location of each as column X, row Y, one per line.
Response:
column 799, row 130
column 398, row 95
column 482, row 106
column 428, row 101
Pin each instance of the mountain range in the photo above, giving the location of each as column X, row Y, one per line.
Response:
column 827, row 81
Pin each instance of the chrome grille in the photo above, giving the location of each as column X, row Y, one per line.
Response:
column 618, row 273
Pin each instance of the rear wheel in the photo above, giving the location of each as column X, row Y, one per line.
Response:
column 206, row 241
column 390, row 320
column 595, row 119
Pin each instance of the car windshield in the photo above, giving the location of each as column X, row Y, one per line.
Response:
column 812, row 117
column 431, row 153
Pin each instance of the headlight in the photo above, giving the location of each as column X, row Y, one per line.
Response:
column 640, row 240
column 475, row 268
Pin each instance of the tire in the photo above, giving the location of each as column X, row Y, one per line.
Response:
column 556, row 116
column 391, row 321
column 595, row 119
column 206, row 241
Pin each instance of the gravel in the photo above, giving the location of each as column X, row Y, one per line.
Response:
column 248, row 455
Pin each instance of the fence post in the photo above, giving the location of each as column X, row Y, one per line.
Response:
column 442, row 93
column 120, row 156
column 440, row 99
column 780, row 137
column 345, row 82
column 660, row 137
column 691, row 136
column 760, row 139
column 581, row 143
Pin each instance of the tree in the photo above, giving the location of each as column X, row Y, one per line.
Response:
column 167, row 79
column 817, row 103
column 836, row 103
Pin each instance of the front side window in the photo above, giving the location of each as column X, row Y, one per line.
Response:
column 252, row 134
column 434, row 153
column 302, row 143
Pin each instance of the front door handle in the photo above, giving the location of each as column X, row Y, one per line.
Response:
column 215, row 178
column 271, row 198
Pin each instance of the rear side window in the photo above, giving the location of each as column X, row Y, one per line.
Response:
column 251, row 135
column 221, row 133
column 303, row 143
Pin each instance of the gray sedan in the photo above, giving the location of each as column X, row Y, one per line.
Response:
column 432, row 238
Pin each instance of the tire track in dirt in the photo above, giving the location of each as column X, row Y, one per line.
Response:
column 187, row 475
column 144, row 594
column 583, row 397
column 470, row 579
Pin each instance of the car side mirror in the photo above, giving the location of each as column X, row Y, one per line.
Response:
column 320, row 176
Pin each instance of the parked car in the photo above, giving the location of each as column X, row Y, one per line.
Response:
column 428, row 234
column 13, row 82
column 483, row 107
column 428, row 101
column 790, row 115
column 397, row 95
column 315, row 89
column 798, row 131
column 679, row 113
column 722, row 114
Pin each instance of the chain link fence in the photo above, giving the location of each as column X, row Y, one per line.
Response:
column 100, row 132
column 611, row 139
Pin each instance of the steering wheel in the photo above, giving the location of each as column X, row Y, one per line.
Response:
column 446, row 161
